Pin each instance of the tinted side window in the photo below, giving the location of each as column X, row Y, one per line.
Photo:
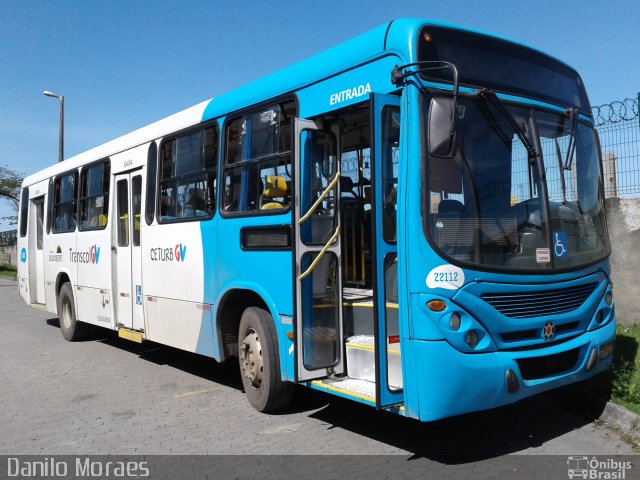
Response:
column 49, row 205
column 257, row 168
column 94, row 196
column 188, row 176
column 64, row 204
column 24, row 211
column 152, row 167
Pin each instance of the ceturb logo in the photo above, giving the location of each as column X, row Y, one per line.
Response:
column 91, row 256
column 180, row 252
column 177, row 253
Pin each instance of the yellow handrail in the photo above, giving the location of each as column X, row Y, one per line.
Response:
column 322, row 252
column 320, row 198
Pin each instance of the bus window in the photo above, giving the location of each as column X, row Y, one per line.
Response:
column 24, row 209
column 64, row 208
column 257, row 172
column 188, row 176
column 123, row 213
column 391, row 140
column 39, row 221
column 94, row 196
column 136, row 200
column 152, row 166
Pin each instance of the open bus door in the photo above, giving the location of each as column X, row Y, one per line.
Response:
column 318, row 272
column 385, row 124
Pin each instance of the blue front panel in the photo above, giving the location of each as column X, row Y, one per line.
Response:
column 542, row 326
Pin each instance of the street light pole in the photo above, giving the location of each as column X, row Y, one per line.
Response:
column 61, row 131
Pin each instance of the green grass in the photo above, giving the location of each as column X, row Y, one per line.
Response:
column 8, row 271
column 622, row 383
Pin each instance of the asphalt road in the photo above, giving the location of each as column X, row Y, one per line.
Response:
column 110, row 396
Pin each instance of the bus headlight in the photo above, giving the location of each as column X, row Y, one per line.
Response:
column 471, row 337
column 454, row 321
column 608, row 298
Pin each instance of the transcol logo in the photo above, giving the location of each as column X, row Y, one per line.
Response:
column 92, row 256
column 23, row 255
column 95, row 254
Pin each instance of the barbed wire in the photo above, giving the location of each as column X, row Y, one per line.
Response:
column 616, row 112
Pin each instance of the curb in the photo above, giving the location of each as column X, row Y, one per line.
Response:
column 612, row 414
column 623, row 419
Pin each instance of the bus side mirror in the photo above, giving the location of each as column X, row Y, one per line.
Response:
column 442, row 127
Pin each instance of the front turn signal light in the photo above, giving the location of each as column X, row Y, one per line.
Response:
column 436, row 305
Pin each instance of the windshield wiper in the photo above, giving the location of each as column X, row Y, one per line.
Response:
column 573, row 128
column 562, row 168
column 490, row 97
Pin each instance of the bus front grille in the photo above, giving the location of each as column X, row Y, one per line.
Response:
column 541, row 303
column 546, row 366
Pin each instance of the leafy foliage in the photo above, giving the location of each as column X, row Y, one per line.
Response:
column 10, row 181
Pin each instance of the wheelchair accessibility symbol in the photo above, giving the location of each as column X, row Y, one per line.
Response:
column 560, row 242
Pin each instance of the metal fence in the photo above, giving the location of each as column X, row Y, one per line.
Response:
column 618, row 124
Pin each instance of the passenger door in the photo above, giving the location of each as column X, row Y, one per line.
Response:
column 36, row 263
column 385, row 123
column 319, row 333
column 127, row 255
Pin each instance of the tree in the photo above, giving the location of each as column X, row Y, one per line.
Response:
column 10, row 181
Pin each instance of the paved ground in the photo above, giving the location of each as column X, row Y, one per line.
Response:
column 110, row 396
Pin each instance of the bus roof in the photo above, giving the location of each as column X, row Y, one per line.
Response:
column 396, row 38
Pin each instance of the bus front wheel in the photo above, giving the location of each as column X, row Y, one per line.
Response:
column 72, row 329
column 260, row 362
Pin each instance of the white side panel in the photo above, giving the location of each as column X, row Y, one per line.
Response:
column 172, row 260
column 93, row 261
column 94, row 306
column 180, row 324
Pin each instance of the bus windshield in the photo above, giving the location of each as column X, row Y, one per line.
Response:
column 488, row 205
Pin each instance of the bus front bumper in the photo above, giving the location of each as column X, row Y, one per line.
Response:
column 450, row 382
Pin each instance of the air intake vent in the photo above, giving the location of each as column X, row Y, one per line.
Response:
column 537, row 304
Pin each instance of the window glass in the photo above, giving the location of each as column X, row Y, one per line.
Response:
column 136, row 204
column 49, row 205
column 94, row 196
column 152, row 165
column 123, row 213
column 64, row 208
column 257, row 175
column 389, row 151
column 24, row 209
column 39, row 220
column 188, row 177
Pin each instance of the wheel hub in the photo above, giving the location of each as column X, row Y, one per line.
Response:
column 251, row 356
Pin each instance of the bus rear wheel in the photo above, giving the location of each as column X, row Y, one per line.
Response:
column 260, row 362
column 72, row 329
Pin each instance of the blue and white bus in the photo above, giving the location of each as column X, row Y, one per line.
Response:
column 412, row 219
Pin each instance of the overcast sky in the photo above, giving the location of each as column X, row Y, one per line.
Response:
column 124, row 64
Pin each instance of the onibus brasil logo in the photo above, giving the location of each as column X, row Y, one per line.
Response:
column 597, row 469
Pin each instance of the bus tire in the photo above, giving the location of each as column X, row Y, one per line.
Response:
column 72, row 329
column 260, row 362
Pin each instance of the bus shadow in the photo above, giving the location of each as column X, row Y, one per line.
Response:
column 462, row 439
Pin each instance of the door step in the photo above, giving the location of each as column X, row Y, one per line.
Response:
column 39, row 306
column 361, row 361
column 132, row 335
column 349, row 387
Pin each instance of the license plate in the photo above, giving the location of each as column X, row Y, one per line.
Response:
column 606, row 350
